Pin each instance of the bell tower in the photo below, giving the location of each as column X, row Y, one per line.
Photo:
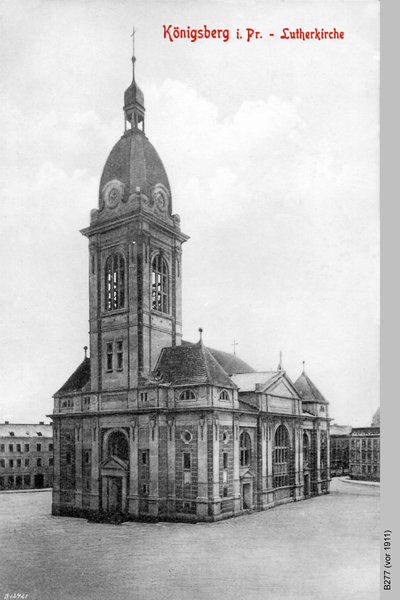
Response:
column 135, row 260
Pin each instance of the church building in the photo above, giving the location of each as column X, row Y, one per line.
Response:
column 151, row 426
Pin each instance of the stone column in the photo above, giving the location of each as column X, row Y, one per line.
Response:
column 56, row 468
column 94, row 496
column 202, row 489
column 216, row 499
column 153, row 458
column 270, row 483
column 78, row 465
column 318, row 457
column 171, row 494
column 263, row 449
column 236, row 465
column 133, row 497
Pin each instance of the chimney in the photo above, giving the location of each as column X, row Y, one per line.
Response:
column 41, row 422
column 6, row 422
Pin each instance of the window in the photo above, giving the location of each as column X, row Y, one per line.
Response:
column 39, row 433
column 27, row 462
column 145, row 488
column 281, row 457
column 27, row 480
column 18, row 462
column 11, row 463
column 11, row 448
column 39, row 462
column 2, row 463
column 145, row 457
column 38, row 447
column 10, row 481
column 66, row 403
column 26, row 447
column 88, row 457
column 224, row 395
column 225, row 460
column 51, row 462
column 143, row 396
column 68, row 458
column 50, row 447
column 245, row 447
column 86, row 401
column 186, row 460
column 159, row 284
column 120, row 355
column 306, row 448
column 109, row 356
column 115, row 282
column 1, row 483
column 18, row 447
column 187, row 395
column 12, row 434
column 2, row 447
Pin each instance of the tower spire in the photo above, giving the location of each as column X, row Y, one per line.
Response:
column 134, row 99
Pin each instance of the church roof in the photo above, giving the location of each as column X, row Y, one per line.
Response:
column 191, row 364
column 307, row 390
column 78, row 380
column 229, row 362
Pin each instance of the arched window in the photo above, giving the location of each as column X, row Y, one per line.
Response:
column 115, row 282
column 159, row 284
column 245, row 449
column 118, row 445
column 281, row 457
column 224, row 395
column 306, row 448
column 187, row 395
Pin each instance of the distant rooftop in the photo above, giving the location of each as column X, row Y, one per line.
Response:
column 19, row 430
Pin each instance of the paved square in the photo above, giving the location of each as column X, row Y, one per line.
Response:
column 325, row 548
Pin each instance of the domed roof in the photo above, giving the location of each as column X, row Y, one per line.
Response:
column 134, row 162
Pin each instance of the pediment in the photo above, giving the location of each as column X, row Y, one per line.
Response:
column 247, row 474
column 282, row 388
column 115, row 463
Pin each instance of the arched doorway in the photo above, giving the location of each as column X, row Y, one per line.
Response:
column 114, row 471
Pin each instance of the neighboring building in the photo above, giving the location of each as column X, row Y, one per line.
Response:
column 150, row 425
column 340, row 449
column 26, row 456
column 365, row 453
column 376, row 419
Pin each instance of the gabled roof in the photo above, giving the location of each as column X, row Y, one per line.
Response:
column 308, row 391
column 191, row 364
column 78, row 380
column 229, row 362
column 247, row 382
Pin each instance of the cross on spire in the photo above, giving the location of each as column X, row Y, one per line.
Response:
column 235, row 343
column 133, row 41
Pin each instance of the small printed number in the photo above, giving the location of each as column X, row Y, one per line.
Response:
column 15, row 595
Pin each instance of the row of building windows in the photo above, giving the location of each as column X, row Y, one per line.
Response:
column 365, row 443
column 18, row 462
column 365, row 456
column 115, row 280
column 18, row 447
column 364, row 469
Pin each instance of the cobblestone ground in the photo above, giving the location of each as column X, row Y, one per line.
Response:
column 325, row 548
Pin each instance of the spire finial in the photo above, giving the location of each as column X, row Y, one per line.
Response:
column 201, row 333
column 304, row 366
column 280, row 361
column 133, row 41
column 85, row 349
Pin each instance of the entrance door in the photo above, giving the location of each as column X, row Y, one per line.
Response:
column 39, row 480
column 307, row 484
column 114, row 494
column 247, row 496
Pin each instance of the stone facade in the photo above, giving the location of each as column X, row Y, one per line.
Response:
column 365, row 453
column 26, row 456
column 151, row 426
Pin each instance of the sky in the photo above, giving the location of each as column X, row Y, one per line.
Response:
column 271, row 148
